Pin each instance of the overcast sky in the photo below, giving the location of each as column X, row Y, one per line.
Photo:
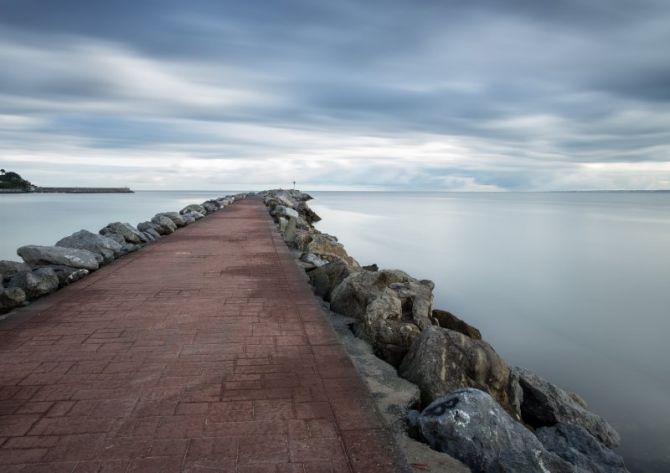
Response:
column 366, row 94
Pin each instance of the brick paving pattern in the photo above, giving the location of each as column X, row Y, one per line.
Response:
column 204, row 352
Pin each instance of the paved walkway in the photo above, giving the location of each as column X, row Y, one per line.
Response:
column 204, row 352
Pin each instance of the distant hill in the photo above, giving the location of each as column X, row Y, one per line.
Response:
column 11, row 180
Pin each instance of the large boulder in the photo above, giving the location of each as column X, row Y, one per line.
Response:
column 149, row 228
column 10, row 298
column 176, row 217
column 545, row 404
column 67, row 275
column 328, row 248
column 107, row 248
column 448, row 320
column 325, row 278
column 165, row 224
column 192, row 216
column 10, row 268
column 578, row 447
column 211, row 206
column 129, row 233
column 469, row 425
column 392, row 309
column 442, row 360
column 307, row 213
column 35, row 283
column 193, row 208
column 36, row 255
column 287, row 212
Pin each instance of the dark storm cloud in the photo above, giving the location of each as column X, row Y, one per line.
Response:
column 517, row 95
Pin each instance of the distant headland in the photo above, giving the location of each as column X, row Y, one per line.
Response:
column 13, row 183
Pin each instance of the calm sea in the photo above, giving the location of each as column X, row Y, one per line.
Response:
column 574, row 286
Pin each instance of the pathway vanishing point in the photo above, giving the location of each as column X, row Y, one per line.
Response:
column 203, row 352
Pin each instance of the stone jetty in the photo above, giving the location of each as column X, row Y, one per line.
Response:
column 234, row 336
column 204, row 351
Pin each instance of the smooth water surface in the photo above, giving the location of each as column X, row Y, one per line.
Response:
column 43, row 219
column 574, row 286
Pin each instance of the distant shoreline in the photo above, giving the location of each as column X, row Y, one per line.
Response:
column 70, row 190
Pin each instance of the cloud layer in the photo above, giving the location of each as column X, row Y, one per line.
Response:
column 443, row 95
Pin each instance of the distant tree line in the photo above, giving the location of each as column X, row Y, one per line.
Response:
column 12, row 180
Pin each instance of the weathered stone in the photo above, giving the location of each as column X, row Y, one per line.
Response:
column 176, row 217
column 44, row 255
column 126, row 230
column 192, row 216
column 314, row 260
column 442, row 360
column 11, row 298
column 67, row 275
column 193, row 208
column 289, row 231
column 371, row 267
column 35, row 283
column 10, row 268
column 327, row 277
column 545, row 404
column 578, row 447
column 211, row 206
column 107, row 248
column 330, row 249
column 302, row 239
column 307, row 213
column 469, row 425
column 165, row 224
column 392, row 308
column 448, row 320
column 283, row 211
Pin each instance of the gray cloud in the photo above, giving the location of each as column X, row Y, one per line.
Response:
column 518, row 95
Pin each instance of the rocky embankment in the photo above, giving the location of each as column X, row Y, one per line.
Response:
column 46, row 269
column 471, row 405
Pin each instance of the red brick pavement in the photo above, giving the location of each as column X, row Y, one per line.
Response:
column 204, row 352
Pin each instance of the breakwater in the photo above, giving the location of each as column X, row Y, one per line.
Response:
column 69, row 190
column 46, row 269
column 472, row 404
column 453, row 385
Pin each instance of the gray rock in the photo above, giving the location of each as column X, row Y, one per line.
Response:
column 193, row 208
column 392, row 308
column 117, row 238
column 45, row 255
column 192, row 216
column 448, row 320
column 211, row 206
column 67, row 275
column 442, row 360
column 325, row 278
column 469, row 425
column 11, row 298
column 545, row 404
column 283, row 211
column 288, row 227
column 107, row 248
column 307, row 213
column 126, row 230
column 10, row 268
column 165, row 224
column 371, row 267
column 328, row 248
column 176, row 217
column 35, row 283
column 302, row 239
column 578, row 447
column 150, row 236
column 313, row 260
